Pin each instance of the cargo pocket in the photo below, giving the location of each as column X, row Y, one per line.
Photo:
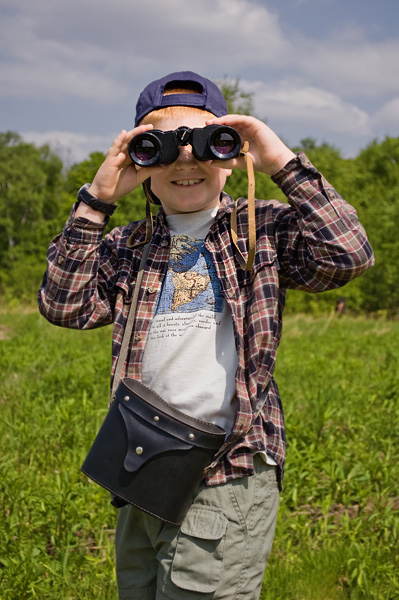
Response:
column 198, row 557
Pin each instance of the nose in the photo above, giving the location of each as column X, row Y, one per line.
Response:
column 185, row 155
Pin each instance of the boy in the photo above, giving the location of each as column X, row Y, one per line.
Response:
column 207, row 330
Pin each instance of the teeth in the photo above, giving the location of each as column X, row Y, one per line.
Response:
column 188, row 182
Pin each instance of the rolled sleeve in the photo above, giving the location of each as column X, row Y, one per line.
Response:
column 321, row 243
column 74, row 291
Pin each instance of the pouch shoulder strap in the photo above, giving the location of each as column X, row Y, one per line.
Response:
column 129, row 323
column 246, row 264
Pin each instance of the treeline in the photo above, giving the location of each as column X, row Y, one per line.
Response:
column 37, row 192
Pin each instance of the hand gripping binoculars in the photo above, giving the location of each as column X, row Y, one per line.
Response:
column 213, row 142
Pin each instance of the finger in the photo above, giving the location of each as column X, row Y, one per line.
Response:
column 136, row 130
column 228, row 118
column 235, row 121
column 116, row 145
column 143, row 173
column 128, row 138
column 121, row 142
column 146, row 172
column 248, row 127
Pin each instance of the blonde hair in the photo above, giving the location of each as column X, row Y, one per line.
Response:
column 155, row 116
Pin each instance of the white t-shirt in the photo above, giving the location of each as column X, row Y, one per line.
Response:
column 190, row 357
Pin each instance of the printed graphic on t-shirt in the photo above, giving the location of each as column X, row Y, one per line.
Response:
column 191, row 283
column 191, row 296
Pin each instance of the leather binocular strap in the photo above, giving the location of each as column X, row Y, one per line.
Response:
column 247, row 265
column 148, row 220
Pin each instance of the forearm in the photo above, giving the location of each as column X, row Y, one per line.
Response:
column 86, row 212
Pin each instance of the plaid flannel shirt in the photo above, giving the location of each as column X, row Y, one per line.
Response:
column 313, row 243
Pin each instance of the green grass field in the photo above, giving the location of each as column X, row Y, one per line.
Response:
column 338, row 526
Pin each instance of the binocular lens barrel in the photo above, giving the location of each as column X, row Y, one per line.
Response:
column 146, row 149
column 162, row 147
column 222, row 144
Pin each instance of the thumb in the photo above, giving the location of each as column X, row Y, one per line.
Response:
column 144, row 173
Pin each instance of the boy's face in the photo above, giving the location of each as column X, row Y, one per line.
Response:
column 187, row 185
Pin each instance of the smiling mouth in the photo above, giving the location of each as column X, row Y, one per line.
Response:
column 187, row 182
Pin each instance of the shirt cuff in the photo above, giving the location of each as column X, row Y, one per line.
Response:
column 295, row 172
column 80, row 230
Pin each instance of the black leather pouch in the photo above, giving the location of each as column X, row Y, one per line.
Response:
column 150, row 454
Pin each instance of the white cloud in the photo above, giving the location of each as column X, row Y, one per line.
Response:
column 84, row 49
column 352, row 66
column 291, row 103
column 387, row 117
column 44, row 66
column 90, row 50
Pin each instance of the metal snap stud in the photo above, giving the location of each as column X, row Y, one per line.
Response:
column 156, row 418
column 191, row 436
column 126, row 398
column 139, row 450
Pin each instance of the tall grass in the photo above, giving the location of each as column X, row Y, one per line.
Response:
column 337, row 533
column 56, row 529
column 338, row 528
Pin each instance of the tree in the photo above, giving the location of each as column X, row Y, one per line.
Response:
column 370, row 182
column 238, row 101
column 29, row 182
column 29, row 200
column 376, row 192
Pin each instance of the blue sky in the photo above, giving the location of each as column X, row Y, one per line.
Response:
column 70, row 72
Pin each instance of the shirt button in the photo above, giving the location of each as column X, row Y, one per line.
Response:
column 164, row 243
column 138, row 337
column 60, row 260
column 151, row 290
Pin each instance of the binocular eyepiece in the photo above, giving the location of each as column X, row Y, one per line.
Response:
column 213, row 142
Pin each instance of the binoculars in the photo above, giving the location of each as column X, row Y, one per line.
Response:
column 213, row 142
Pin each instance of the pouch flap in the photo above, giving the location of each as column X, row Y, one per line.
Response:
column 146, row 441
column 150, row 407
column 205, row 522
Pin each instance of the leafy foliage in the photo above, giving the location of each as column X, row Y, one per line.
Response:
column 36, row 196
column 370, row 182
column 238, row 101
column 30, row 184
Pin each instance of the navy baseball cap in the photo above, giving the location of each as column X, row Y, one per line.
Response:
column 208, row 97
